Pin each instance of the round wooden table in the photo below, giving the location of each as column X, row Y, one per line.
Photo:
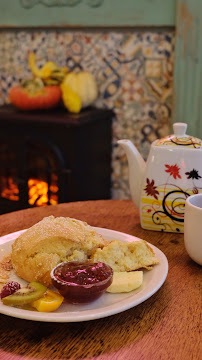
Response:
column 166, row 326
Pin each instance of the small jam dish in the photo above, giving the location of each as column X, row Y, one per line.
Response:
column 81, row 282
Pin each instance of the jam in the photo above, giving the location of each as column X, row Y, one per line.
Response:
column 81, row 282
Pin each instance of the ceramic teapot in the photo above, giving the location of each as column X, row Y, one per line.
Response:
column 160, row 186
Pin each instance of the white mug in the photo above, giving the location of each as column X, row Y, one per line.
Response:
column 193, row 227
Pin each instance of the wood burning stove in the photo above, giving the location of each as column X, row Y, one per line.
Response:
column 52, row 157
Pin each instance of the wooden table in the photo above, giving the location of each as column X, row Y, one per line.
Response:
column 166, row 326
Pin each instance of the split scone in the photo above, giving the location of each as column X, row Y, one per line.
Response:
column 52, row 240
column 128, row 256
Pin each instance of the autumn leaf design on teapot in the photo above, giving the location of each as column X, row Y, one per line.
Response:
column 160, row 186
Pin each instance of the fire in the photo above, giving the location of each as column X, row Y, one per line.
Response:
column 9, row 189
column 38, row 192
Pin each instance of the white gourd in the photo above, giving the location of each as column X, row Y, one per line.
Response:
column 84, row 84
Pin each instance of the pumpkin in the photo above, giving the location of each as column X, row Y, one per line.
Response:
column 84, row 85
column 33, row 95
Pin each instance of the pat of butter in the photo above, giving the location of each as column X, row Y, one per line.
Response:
column 125, row 281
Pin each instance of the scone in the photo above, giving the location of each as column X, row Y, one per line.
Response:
column 49, row 242
column 128, row 256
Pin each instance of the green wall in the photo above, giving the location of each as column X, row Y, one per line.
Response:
column 87, row 13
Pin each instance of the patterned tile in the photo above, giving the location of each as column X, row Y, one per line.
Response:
column 134, row 73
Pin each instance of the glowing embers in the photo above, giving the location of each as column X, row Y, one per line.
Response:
column 40, row 194
column 8, row 188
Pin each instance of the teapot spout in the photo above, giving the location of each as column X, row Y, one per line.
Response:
column 137, row 168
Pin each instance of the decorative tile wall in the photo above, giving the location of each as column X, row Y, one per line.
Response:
column 134, row 72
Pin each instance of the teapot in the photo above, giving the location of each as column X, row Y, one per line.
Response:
column 160, row 186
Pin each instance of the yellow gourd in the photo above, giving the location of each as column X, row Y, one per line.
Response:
column 50, row 73
column 70, row 99
column 79, row 90
column 83, row 84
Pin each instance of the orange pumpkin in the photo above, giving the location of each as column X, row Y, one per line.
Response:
column 32, row 97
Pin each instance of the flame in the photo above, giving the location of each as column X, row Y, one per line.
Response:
column 9, row 189
column 38, row 191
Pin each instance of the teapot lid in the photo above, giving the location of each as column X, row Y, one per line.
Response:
column 180, row 138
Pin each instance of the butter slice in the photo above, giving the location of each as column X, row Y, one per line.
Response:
column 125, row 281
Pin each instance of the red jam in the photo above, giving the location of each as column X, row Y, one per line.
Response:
column 81, row 282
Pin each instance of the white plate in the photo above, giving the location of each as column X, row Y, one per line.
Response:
column 108, row 304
